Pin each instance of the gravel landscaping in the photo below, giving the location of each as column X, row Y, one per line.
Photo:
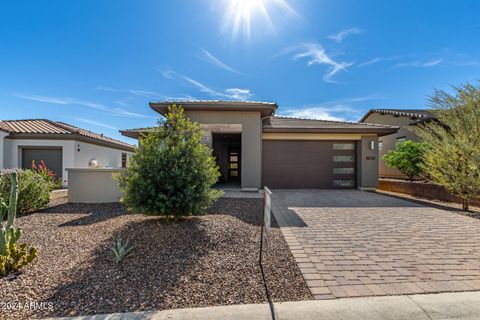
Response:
column 193, row 262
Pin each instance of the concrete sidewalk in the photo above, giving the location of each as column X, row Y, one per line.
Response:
column 459, row 306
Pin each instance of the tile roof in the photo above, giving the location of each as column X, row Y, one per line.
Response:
column 300, row 123
column 48, row 127
column 416, row 113
column 234, row 102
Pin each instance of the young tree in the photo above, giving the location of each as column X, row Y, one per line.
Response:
column 172, row 172
column 453, row 158
column 407, row 157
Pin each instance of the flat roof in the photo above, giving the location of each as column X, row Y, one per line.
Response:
column 265, row 108
column 136, row 132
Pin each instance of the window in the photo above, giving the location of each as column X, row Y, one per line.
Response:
column 380, row 145
column 401, row 139
column 343, row 183
column 124, row 160
column 343, row 170
column 344, row 146
column 343, row 158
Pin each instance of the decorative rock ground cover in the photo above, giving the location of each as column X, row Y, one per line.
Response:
column 194, row 262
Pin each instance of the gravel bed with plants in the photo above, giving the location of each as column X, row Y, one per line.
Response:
column 191, row 262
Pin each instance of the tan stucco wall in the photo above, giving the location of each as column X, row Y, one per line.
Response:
column 310, row 136
column 390, row 140
column 367, row 163
column 93, row 185
column 209, row 129
column 250, row 121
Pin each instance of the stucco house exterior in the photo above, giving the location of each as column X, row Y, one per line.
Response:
column 404, row 119
column 59, row 145
column 255, row 148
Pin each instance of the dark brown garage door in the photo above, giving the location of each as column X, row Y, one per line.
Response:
column 51, row 156
column 308, row 164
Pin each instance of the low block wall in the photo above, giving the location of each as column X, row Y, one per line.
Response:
column 93, row 185
column 421, row 189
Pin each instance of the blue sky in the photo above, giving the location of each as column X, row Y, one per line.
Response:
column 97, row 64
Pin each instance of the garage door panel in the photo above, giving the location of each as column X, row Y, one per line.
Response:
column 51, row 156
column 308, row 164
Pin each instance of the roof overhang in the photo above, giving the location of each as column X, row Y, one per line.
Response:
column 265, row 109
column 136, row 133
column 380, row 131
column 77, row 137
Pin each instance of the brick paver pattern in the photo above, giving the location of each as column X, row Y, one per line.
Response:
column 350, row 243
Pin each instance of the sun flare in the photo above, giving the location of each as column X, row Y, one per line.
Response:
column 240, row 15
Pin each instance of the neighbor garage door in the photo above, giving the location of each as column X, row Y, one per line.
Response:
column 308, row 164
column 51, row 156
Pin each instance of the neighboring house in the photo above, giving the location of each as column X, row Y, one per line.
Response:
column 254, row 148
column 403, row 118
column 59, row 145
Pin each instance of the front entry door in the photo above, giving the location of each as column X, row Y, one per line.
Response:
column 233, row 164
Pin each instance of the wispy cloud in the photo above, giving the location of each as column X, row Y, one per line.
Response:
column 419, row 63
column 210, row 58
column 140, row 93
column 95, row 123
column 369, row 62
column 316, row 54
column 79, row 102
column 339, row 36
column 229, row 93
column 335, row 110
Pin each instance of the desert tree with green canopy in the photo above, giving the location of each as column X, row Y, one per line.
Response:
column 453, row 157
column 407, row 157
column 172, row 172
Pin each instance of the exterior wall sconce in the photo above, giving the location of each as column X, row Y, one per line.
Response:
column 372, row 145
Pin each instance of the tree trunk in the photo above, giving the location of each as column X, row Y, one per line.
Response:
column 465, row 205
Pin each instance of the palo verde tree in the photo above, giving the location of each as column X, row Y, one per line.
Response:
column 453, row 157
column 407, row 157
column 172, row 172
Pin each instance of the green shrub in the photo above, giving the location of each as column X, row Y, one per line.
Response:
column 408, row 157
column 13, row 257
column 33, row 190
column 172, row 172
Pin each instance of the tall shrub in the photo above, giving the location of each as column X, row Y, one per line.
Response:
column 407, row 157
column 453, row 159
column 172, row 172
column 33, row 190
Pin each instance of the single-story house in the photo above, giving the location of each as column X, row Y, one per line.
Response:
column 255, row 148
column 59, row 145
column 403, row 118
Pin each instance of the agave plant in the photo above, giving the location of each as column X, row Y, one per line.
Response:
column 120, row 249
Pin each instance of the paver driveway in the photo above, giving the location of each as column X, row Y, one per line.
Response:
column 351, row 243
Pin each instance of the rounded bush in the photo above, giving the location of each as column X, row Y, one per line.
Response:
column 33, row 190
column 172, row 173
